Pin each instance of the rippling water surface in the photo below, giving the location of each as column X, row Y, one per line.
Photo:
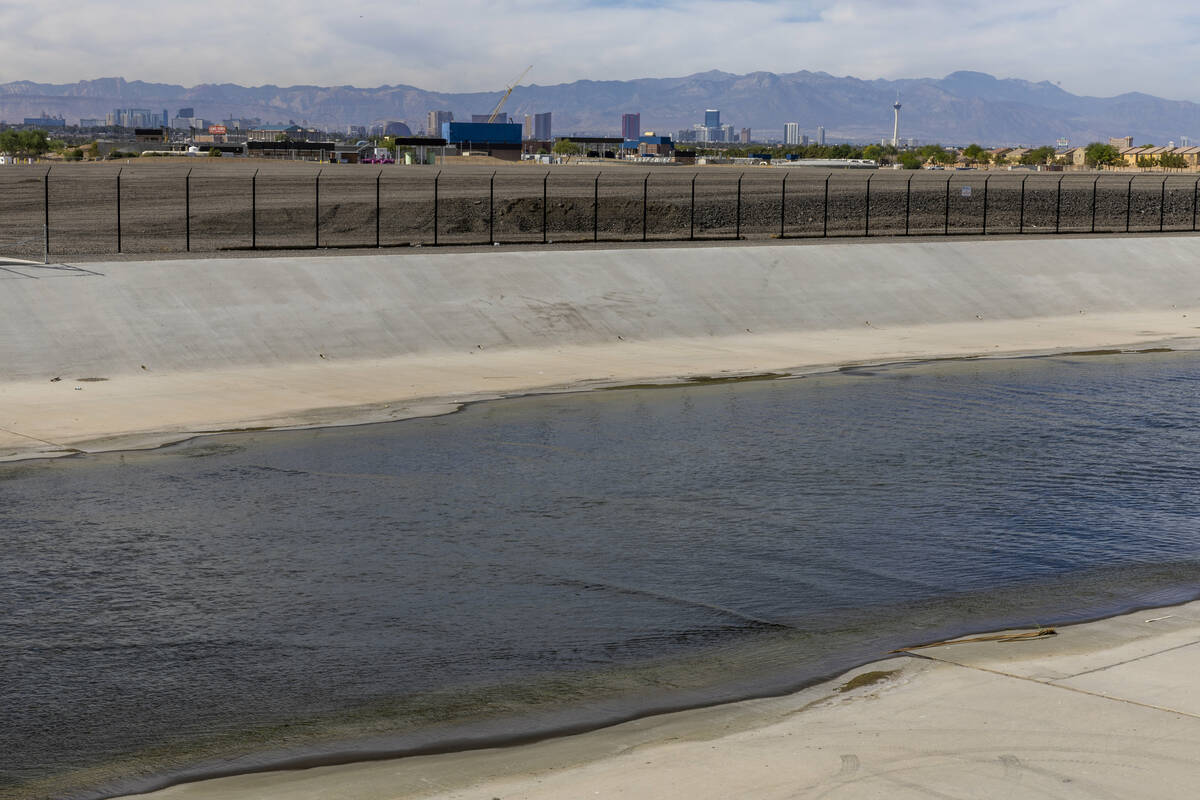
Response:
column 557, row 562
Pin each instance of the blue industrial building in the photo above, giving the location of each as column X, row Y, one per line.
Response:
column 481, row 133
column 46, row 122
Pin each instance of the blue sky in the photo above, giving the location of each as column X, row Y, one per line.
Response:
column 1102, row 47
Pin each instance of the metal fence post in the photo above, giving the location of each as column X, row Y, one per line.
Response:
column 737, row 231
column 46, row 208
column 492, row 208
column 907, row 200
column 867, row 212
column 377, row 208
column 825, row 221
column 1128, row 201
column 692, row 228
column 1094, row 182
column 122, row 169
column 1021, row 223
column 1058, row 203
column 783, row 206
column 1162, row 204
column 645, row 199
column 317, row 211
column 1195, row 197
column 254, row 211
column 596, row 209
column 436, row 178
column 946, row 228
column 545, row 195
column 985, row 199
column 187, row 210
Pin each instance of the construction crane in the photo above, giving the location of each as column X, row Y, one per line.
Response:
column 507, row 92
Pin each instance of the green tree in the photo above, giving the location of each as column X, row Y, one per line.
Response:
column 565, row 147
column 975, row 154
column 1039, row 155
column 214, row 152
column 1172, row 161
column 1147, row 162
column 935, row 153
column 1101, row 155
column 93, row 150
column 75, row 154
column 873, row 152
column 24, row 144
column 910, row 160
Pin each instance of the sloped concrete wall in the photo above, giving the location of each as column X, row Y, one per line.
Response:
column 209, row 313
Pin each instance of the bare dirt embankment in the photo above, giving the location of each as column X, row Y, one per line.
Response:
column 210, row 205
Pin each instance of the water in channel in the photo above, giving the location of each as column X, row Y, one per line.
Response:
column 558, row 562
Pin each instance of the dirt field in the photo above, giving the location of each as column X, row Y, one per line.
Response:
column 203, row 205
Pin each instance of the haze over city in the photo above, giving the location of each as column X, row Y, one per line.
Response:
column 1099, row 49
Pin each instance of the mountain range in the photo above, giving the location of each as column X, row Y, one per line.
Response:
column 960, row 108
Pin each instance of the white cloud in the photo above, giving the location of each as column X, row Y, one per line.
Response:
column 1101, row 48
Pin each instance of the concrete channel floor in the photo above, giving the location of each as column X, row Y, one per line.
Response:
column 1106, row 709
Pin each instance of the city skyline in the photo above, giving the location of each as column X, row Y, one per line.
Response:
column 961, row 108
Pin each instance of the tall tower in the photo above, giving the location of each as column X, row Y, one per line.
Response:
column 896, row 126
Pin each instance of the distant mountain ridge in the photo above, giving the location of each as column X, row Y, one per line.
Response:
column 959, row 108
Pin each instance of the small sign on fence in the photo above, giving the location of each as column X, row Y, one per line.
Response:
column 966, row 191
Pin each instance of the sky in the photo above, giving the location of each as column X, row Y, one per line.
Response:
column 1103, row 47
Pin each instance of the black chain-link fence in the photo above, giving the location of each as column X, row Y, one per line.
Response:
column 100, row 209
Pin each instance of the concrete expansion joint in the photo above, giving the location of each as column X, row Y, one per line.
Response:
column 1054, row 684
column 36, row 439
column 1133, row 660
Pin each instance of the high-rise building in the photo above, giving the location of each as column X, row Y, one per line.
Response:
column 433, row 124
column 744, row 136
column 791, row 133
column 135, row 118
column 631, row 126
column 821, row 134
column 712, row 118
column 541, row 127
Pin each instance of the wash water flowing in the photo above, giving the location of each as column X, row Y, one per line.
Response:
column 553, row 563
